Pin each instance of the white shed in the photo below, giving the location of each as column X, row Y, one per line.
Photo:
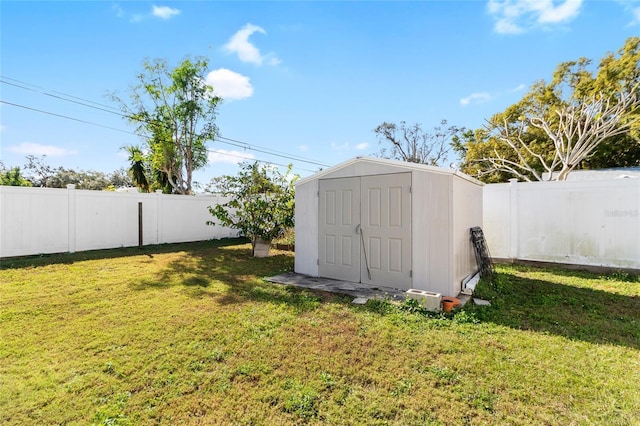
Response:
column 388, row 223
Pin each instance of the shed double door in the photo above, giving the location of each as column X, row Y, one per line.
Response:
column 365, row 229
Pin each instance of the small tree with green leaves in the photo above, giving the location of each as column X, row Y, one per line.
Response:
column 12, row 177
column 262, row 203
column 174, row 111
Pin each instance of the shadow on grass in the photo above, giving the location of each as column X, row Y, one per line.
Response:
column 578, row 313
column 230, row 275
column 150, row 251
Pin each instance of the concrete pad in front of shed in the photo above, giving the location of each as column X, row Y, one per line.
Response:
column 481, row 302
column 357, row 290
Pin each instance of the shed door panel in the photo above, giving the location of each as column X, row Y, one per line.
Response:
column 386, row 228
column 339, row 245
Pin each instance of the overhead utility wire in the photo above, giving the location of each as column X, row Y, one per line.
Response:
column 42, row 89
column 131, row 133
column 260, row 161
column 63, row 99
column 135, row 134
column 249, row 146
column 66, row 116
column 115, row 111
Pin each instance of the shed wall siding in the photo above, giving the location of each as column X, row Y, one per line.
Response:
column 467, row 213
column 432, row 198
column 420, row 246
column 306, row 215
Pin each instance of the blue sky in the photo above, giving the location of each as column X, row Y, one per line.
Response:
column 310, row 80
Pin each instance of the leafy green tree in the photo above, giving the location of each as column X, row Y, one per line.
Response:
column 120, row 178
column 92, row 180
column 261, row 205
column 38, row 170
column 12, row 177
column 41, row 174
column 580, row 119
column 174, row 111
column 412, row 144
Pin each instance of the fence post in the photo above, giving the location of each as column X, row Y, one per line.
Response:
column 513, row 218
column 71, row 242
column 140, row 225
column 159, row 235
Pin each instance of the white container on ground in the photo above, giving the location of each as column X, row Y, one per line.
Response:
column 262, row 248
column 429, row 300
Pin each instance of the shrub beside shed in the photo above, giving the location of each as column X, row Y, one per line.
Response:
column 388, row 223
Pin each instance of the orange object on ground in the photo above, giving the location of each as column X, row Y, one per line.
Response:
column 449, row 302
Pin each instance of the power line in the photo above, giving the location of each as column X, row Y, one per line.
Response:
column 273, row 152
column 64, row 99
column 260, row 161
column 65, row 116
column 111, row 110
column 45, row 91
column 219, row 138
column 131, row 133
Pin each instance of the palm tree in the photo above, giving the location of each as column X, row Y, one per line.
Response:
column 137, row 169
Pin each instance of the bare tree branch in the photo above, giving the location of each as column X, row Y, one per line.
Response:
column 411, row 143
column 581, row 126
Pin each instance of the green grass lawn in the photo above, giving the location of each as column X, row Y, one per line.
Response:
column 193, row 334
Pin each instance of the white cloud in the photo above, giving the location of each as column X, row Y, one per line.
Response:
column 517, row 16
column 161, row 12
column 246, row 51
column 228, row 157
column 303, row 148
column 164, row 12
column 347, row 146
column 38, row 149
column 476, row 98
column 503, row 26
column 551, row 14
column 229, row 84
column 518, row 88
column 340, row 147
column 636, row 16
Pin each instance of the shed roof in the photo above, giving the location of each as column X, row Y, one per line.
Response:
column 386, row 162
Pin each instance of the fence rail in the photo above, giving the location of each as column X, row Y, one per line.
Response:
column 593, row 223
column 47, row 220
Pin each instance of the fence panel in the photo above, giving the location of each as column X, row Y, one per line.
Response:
column 193, row 213
column 33, row 217
column 47, row 220
column 594, row 223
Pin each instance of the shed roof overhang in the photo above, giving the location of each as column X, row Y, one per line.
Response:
column 407, row 166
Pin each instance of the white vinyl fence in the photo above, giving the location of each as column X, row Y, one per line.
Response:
column 595, row 223
column 46, row 220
